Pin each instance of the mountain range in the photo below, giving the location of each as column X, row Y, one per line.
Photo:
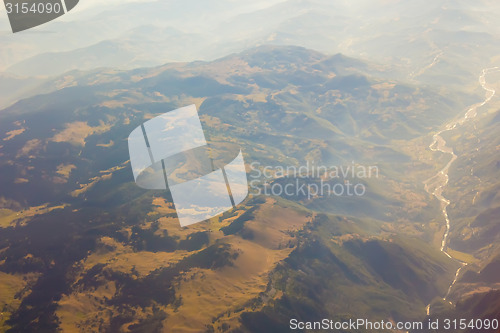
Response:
column 85, row 249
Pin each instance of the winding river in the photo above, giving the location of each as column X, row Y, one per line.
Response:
column 436, row 184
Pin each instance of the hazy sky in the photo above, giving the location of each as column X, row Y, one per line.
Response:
column 85, row 5
column 56, row 37
column 88, row 7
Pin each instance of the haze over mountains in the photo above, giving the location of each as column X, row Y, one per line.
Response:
column 455, row 38
column 364, row 84
column 407, row 33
